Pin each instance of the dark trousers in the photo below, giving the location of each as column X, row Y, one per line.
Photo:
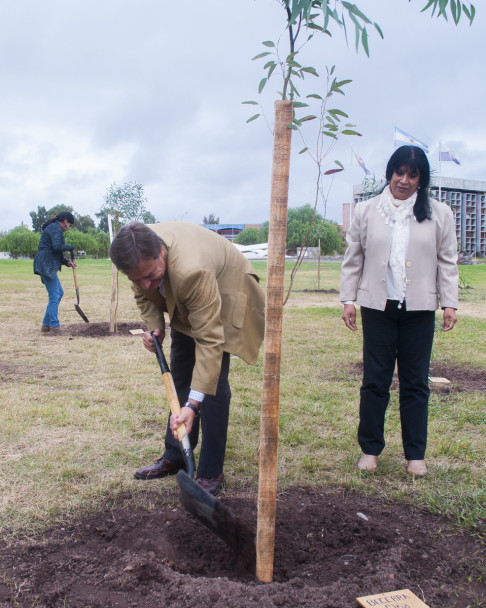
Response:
column 389, row 336
column 214, row 410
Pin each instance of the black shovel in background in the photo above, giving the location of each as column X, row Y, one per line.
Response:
column 219, row 519
column 76, row 306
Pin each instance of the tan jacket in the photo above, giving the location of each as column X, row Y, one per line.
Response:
column 431, row 259
column 211, row 294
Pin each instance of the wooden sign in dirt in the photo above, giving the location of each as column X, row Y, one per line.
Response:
column 136, row 332
column 439, row 380
column 394, row 599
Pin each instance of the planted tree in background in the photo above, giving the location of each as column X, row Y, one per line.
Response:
column 125, row 203
column 304, row 18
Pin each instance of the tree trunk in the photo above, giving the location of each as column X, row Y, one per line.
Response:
column 267, row 453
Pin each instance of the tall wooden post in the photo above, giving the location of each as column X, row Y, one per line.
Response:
column 114, row 278
column 277, row 237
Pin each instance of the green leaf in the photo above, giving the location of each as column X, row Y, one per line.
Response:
column 350, row 132
column 364, row 42
column 336, row 113
column 261, row 55
column 307, row 118
column 254, row 117
column 269, row 64
column 354, row 10
column 262, row 84
column 300, row 104
column 329, row 134
column 339, row 164
column 251, row 103
column 314, row 96
column 312, row 71
column 303, row 150
column 269, row 43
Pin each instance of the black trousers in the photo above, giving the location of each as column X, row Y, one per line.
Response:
column 214, row 410
column 395, row 336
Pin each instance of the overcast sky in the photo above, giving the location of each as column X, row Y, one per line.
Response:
column 96, row 93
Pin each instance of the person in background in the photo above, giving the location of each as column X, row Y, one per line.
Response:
column 48, row 261
column 401, row 261
column 216, row 308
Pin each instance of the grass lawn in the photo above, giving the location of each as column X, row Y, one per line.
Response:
column 79, row 415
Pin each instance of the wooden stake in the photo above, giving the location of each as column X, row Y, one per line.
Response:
column 277, row 237
column 114, row 298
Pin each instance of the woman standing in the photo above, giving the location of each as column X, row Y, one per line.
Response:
column 47, row 263
column 400, row 263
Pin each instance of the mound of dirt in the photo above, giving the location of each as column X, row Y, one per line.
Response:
column 101, row 330
column 330, row 548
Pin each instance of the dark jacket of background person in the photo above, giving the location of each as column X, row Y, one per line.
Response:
column 49, row 258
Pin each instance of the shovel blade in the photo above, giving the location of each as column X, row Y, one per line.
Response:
column 81, row 313
column 219, row 519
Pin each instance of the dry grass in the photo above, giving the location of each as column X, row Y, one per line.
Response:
column 79, row 415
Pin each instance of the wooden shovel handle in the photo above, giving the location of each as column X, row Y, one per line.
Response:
column 175, row 406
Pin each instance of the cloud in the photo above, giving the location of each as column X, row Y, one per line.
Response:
column 95, row 93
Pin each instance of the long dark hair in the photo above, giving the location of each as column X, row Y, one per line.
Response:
column 60, row 217
column 415, row 158
column 134, row 242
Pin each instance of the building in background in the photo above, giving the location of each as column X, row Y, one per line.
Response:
column 466, row 198
column 230, row 231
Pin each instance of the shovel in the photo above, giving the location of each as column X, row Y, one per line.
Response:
column 175, row 408
column 76, row 306
column 219, row 519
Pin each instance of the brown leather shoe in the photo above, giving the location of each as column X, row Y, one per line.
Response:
column 45, row 329
column 211, row 484
column 161, row 468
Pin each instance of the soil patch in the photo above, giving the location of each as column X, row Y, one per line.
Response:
column 331, row 546
column 101, row 330
column 460, row 378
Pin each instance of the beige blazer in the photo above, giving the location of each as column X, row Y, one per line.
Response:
column 211, row 294
column 431, row 259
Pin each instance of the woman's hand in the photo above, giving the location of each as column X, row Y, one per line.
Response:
column 449, row 319
column 186, row 417
column 71, row 264
column 148, row 340
column 349, row 316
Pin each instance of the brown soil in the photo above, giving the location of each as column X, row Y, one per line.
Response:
column 331, row 547
column 101, row 330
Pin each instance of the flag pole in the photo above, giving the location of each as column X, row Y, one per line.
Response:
column 440, row 173
column 351, row 207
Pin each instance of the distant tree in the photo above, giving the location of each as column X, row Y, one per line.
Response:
column 149, row 218
column 331, row 239
column 102, row 244
column 83, row 223
column 250, row 236
column 82, row 241
column 305, row 227
column 20, row 241
column 265, row 228
column 53, row 211
column 38, row 218
column 126, row 204
column 211, row 219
